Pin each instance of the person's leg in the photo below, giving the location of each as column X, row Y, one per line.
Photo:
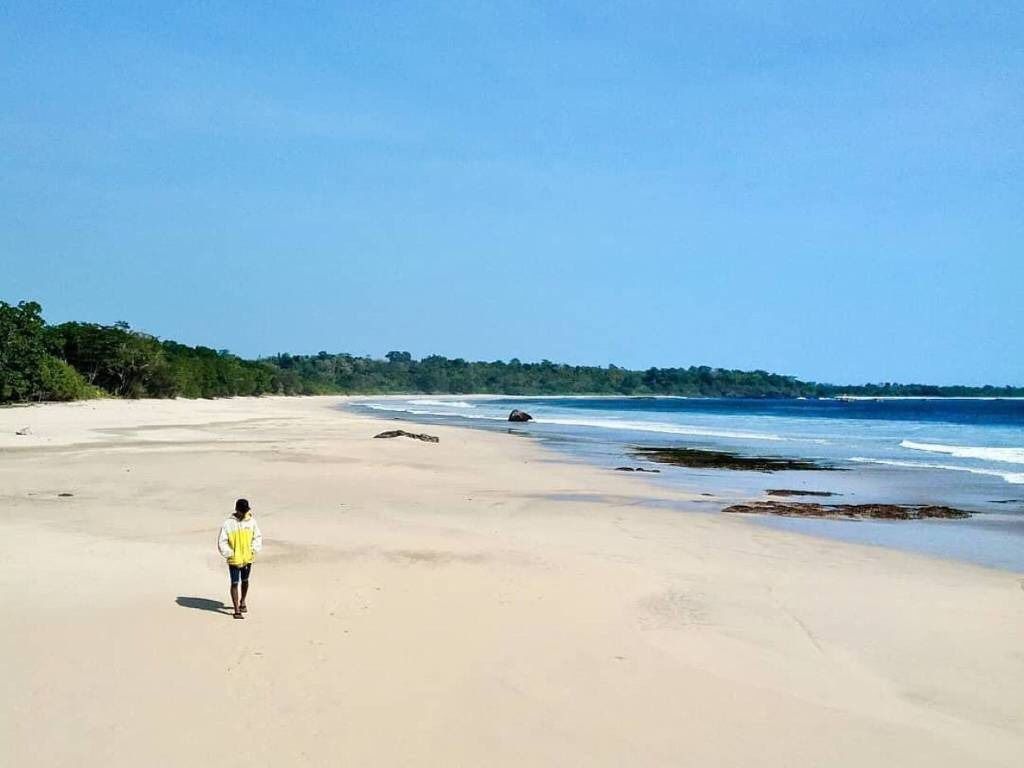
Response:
column 245, row 586
column 236, row 574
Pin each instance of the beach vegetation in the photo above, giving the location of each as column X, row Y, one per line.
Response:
column 59, row 381
column 22, row 350
column 76, row 360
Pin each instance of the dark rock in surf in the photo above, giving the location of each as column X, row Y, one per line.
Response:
column 518, row 415
column 636, row 469
column 849, row 511
column 402, row 433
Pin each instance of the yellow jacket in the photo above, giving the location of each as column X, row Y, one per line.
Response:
column 240, row 540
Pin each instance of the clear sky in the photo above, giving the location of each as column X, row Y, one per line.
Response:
column 831, row 190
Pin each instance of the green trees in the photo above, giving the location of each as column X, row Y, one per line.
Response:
column 78, row 360
column 74, row 360
column 204, row 372
column 59, row 381
column 112, row 357
column 28, row 370
column 399, row 372
column 22, row 350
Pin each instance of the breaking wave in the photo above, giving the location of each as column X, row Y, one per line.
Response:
column 1006, row 455
column 444, row 403
column 660, row 427
column 611, row 424
column 1015, row 478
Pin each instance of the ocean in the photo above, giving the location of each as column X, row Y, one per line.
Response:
column 965, row 453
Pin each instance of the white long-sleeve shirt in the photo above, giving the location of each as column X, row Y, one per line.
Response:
column 240, row 540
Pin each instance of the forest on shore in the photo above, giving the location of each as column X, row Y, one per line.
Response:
column 75, row 361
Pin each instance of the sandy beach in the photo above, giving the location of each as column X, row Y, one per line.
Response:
column 478, row 602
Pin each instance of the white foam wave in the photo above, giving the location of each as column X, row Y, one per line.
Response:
column 1014, row 478
column 444, row 403
column 382, row 407
column 419, row 412
column 614, row 424
column 1006, row 455
column 913, row 397
column 660, row 427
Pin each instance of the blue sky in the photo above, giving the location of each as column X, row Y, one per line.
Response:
column 830, row 190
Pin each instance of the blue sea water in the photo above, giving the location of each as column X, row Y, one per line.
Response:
column 967, row 453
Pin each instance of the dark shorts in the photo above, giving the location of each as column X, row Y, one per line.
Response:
column 239, row 572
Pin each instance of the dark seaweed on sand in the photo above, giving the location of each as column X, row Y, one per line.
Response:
column 700, row 458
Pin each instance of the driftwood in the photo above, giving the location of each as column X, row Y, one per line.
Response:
column 402, row 433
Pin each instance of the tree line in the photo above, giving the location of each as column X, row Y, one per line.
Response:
column 73, row 361
column 400, row 373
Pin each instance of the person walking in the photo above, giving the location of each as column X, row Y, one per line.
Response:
column 239, row 541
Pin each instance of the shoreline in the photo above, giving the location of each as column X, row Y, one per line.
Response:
column 977, row 541
column 479, row 601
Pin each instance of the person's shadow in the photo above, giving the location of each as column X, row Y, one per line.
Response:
column 202, row 604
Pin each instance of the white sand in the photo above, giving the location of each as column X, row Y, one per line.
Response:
column 439, row 605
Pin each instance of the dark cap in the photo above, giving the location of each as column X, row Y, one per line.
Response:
column 242, row 505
